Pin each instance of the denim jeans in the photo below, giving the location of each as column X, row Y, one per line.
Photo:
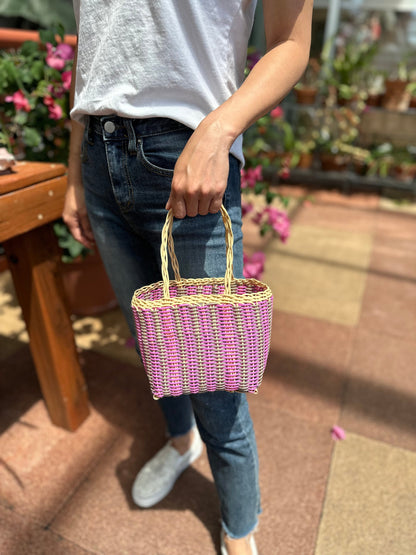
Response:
column 127, row 168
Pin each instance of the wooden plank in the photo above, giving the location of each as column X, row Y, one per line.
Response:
column 28, row 173
column 31, row 207
column 33, row 260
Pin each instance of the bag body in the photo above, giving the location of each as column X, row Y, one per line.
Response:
column 199, row 335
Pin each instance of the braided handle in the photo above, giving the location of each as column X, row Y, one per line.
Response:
column 167, row 243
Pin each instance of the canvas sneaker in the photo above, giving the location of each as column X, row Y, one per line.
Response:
column 158, row 476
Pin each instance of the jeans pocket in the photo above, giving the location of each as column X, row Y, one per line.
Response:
column 158, row 153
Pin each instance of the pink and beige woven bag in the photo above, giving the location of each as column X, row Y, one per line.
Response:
column 198, row 335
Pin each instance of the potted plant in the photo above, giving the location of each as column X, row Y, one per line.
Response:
column 411, row 89
column 346, row 69
column 381, row 160
column 374, row 87
column 307, row 88
column 34, row 119
column 404, row 165
column 397, row 95
column 337, row 127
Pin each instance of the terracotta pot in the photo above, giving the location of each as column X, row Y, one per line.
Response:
column 87, row 286
column 305, row 160
column 405, row 172
column 13, row 38
column 333, row 162
column 360, row 168
column 306, row 95
column 374, row 100
column 396, row 97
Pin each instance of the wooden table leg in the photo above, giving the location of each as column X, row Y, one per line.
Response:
column 33, row 260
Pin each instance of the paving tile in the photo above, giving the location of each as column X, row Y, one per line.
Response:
column 389, row 301
column 19, row 386
column 398, row 205
column 370, row 501
column 11, row 321
column 37, row 474
column 306, row 370
column 319, row 273
column 294, row 459
column 294, row 463
column 21, row 536
column 101, row 516
column 343, row 218
column 380, row 398
column 397, row 225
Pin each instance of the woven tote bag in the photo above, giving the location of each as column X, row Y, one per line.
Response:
column 199, row 335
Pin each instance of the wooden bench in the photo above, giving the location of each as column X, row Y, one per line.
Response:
column 30, row 198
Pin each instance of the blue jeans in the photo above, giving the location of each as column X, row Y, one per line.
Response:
column 127, row 168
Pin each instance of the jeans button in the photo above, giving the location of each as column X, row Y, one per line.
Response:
column 109, row 127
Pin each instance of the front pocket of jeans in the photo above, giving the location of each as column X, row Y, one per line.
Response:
column 159, row 153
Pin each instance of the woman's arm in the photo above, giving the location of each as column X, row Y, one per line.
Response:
column 75, row 212
column 201, row 172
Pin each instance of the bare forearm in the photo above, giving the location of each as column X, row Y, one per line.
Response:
column 268, row 83
column 77, row 132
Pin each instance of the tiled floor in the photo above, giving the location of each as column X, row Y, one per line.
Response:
column 343, row 352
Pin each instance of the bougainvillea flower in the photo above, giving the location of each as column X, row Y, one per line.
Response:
column 55, row 111
column 250, row 177
column 56, row 57
column 66, row 80
column 337, row 433
column 254, row 265
column 19, row 100
column 277, row 112
column 246, row 208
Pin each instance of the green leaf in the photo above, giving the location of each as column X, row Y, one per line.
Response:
column 31, row 137
column 21, row 118
column 47, row 35
column 29, row 48
column 37, row 70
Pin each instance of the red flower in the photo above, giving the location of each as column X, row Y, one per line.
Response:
column 19, row 100
column 277, row 112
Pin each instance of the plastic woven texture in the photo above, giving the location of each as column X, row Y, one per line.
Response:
column 198, row 335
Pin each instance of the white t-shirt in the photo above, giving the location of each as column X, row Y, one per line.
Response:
column 178, row 59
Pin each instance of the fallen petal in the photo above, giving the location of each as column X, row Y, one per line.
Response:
column 337, row 433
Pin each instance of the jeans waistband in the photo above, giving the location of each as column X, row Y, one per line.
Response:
column 122, row 128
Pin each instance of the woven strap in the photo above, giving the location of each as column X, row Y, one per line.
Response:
column 167, row 243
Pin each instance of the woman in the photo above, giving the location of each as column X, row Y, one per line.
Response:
column 159, row 108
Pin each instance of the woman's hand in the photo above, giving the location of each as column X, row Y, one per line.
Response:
column 75, row 212
column 201, row 171
column 75, row 215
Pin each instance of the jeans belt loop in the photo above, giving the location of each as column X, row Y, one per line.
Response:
column 132, row 137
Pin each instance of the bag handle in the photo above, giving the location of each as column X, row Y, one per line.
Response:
column 167, row 243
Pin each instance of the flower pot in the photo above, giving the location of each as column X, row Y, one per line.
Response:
column 306, row 95
column 87, row 286
column 405, row 172
column 305, row 160
column 396, row 97
column 374, row 99
column 333, row 162
column 360, row 168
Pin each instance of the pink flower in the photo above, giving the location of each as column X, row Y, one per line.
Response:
column 19, row 100
column 254, row 265
column 64, row 51
column 279, row 221
column 277, row 112
column 246, row 208
column 284, row 173
column 250, row 177
column 337, row 433
column 56, row 57
column 55, row 111
column 66, row 79
column 48, row 101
